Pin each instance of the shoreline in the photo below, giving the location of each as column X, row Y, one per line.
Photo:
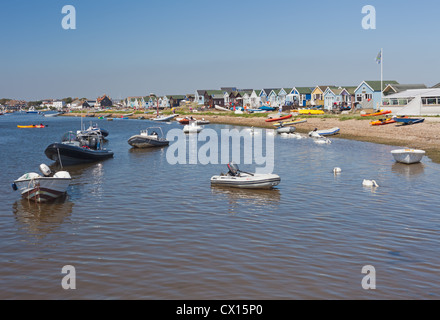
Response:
column 425, row 136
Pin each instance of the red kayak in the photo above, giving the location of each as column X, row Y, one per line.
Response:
column 279, row 119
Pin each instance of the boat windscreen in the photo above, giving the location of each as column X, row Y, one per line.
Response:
column 69, row 136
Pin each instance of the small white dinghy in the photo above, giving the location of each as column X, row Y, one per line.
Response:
column 193, row 127
column 408, row 156
column 44, row 188
column 202, row 122
column 244, row 180
column 286, row 130
column 327, row 132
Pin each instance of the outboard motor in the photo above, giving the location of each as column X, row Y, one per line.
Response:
column 45, row 170
column 93, row 143
column 233, row 169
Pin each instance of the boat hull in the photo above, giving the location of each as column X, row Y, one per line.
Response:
column 408, row 156
column 43, row 189
column 71, row 155
column 141, row 142
column 409, row 121
column 268, row 181
column 163, row 118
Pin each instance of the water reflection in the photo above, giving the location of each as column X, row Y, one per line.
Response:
column 255, row 197
column 409, row 171
column 146, row 151
column 42, row 219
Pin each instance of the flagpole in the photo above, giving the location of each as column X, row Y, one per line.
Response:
column 381, row 78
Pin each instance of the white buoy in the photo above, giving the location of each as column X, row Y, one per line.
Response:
column 370, row 183
column 337, row 170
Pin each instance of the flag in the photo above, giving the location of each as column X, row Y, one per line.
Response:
column 379, row 57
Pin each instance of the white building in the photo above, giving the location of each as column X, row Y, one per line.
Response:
column 424, row 102
column 59, row 105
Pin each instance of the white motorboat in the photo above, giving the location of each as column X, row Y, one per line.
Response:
column 148, row 139
column 193, row 127
column 164, row 118
column 51, row 115
column 43, row 188
column 408, row 156
column 244, row 180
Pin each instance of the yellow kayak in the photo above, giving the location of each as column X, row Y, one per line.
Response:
column 290, row 123
column 31, row 126
column 308, row 111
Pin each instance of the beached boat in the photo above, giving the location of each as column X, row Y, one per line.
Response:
column 244, row 180
column 279, row 118
column 193, row 127
column 221, row 108
column 42, row 188
column 75, row 149
column 38, row 126
column 380, row 113
column 383, row 122
column 266, row 108
column 408, row 156
column 257, row 111
column 149, row 138
column 408, row 121
column 327, row 132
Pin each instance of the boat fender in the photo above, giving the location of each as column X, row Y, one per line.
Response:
column 14, row 187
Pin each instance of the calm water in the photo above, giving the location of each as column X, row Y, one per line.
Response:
column 136, row 227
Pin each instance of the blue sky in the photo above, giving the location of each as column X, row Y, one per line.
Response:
column 133, row 47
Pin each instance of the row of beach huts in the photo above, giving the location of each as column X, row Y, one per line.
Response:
column 367, row 95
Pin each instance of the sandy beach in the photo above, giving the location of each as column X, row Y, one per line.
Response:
column 424, row 136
